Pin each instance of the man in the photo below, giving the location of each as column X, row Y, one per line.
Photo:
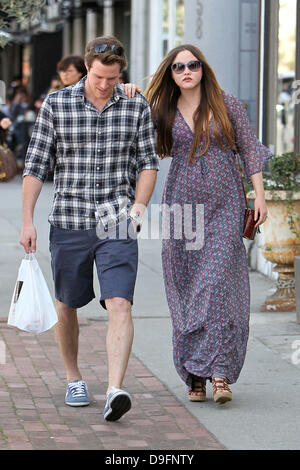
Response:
column 98, row 139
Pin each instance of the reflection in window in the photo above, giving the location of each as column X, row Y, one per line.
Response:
column 286, row 76
column 179, row 23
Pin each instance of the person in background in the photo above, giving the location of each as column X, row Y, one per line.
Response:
column 124, row 78
column 5, row 123
column 71, row 69
column 19, row 103
column 7, row 132
column 16, row 82
column 55, row 84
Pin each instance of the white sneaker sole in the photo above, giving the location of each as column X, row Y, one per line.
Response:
column 76, row 404
column 119, row 404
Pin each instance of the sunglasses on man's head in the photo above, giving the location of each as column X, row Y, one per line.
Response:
column 101, row 48
column 193, row 66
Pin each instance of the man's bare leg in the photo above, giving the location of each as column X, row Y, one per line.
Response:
column 67, row 334
column 119, row 339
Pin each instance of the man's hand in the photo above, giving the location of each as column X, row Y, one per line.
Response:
column 28, row 238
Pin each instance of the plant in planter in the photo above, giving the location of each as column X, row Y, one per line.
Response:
column 285, row 175
column 282, row 228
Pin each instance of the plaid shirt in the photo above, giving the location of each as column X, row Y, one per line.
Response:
column 96, row 154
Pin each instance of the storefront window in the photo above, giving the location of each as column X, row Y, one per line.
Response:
column 179, row 21
column 286, row 75
column 169, row 23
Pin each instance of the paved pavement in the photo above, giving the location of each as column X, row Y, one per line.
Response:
column 264, row 413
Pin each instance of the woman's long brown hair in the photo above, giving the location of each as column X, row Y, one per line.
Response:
column 162, row 94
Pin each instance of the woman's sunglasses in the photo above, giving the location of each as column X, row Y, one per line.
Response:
column 193, row 66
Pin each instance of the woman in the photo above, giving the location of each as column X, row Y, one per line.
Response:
column 71, row 69
column 208, row 292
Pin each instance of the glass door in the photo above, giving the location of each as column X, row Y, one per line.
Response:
column 286, row 76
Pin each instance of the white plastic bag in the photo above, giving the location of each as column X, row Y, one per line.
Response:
column 31, row 307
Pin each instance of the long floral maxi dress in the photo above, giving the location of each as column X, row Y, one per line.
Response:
column 208, row 289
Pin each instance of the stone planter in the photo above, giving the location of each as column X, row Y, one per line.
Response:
column 281, row 246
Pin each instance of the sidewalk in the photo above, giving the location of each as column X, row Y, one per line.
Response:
column 264, row 413
column 33, row 414
column 32, row 380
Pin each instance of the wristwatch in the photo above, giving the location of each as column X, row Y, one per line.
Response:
column 137, row 219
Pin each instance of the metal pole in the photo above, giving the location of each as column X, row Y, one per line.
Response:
column 172, row 24
column 270, row 73
column 91, row 25
column 139, row 42
column 297, row 79
column 155, row 34
column 108, row 18
column 67, row 38
column 261, row 68
column 78, row 42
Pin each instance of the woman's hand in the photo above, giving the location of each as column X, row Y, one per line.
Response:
column 261, row 211
column 260, row 207
column 130, row 89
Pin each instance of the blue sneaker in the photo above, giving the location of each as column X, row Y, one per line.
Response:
column 118, row 402
column 77, row 393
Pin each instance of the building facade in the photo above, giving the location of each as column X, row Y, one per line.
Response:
column 64, row 27
column 246, row 42
column 252, row 45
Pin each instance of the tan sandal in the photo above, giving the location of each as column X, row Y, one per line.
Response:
column 198, row 391
column 222, row 392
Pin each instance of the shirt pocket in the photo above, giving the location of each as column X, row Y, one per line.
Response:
column 75, row 166
column 76, row 156
column 122, row 141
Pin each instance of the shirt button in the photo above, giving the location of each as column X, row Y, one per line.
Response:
column 97, row 185
column 98, row 167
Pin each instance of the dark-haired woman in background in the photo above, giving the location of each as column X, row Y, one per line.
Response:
column 208, row 291
column 71, row 69
column 5, row 123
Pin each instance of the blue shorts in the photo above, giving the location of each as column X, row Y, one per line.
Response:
column 73, row 253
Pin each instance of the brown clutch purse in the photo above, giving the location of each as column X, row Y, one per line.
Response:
column 249, row 230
